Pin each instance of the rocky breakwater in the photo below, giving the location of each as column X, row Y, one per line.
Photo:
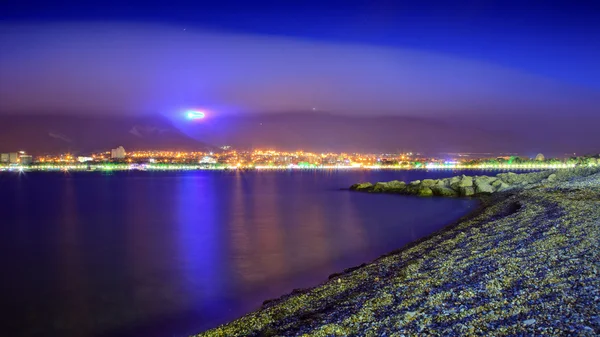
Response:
column 462, row 186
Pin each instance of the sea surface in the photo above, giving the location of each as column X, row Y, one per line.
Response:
column 176, row 253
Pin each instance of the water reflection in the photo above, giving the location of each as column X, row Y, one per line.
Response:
column 159, row 254
column 198, row 236
column 72, row 284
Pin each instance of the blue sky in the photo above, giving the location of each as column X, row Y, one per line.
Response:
column 558, row 39
column 372, row 57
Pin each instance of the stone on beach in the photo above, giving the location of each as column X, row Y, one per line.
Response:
column 467, row 191
column 482, row 186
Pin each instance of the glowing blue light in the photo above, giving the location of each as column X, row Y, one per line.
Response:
column 194, row 114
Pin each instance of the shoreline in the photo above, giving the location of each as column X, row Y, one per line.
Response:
column 183, row 167
column 375, row 298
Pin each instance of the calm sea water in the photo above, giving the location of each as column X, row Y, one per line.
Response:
column 175, row 253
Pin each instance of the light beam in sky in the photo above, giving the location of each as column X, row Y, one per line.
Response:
column 194, row 114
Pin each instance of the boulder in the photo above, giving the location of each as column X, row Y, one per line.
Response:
column 396, row 186
column 443, row 191
column 499, row 185
column 415, row 183
column 443, row 182
column 425, row 192
column 467, row 191
column 413, row 189
column 466, row 181
column 486, row 179
column 502, row 187
column 509, row 178
column 428, row 182
column 380, row 187
column 458, row 184
column 491, row 180
column 552, row 177
column 362, row 187
column 482, row 186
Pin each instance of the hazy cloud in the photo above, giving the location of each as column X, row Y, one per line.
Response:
column 108, row 67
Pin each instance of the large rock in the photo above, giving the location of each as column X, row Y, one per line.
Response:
column 413, row 187
column 362, row 187
column 466, row 181
column 524, row 178
column 444, row 182
column 482, row 186
column 467, row 191
column 380, row 187
column 552, row 177
column 502, row 187
column 499, row 185
column 486, row 179
column 425, row 192
column 508, row 178
column 428, row 182
column 396, row 186
column 443, row 191
column 415, row 183
column 458, row 184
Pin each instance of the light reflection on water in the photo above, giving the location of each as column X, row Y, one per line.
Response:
column 167, row 254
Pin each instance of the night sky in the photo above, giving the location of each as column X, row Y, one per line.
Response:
column 434, row 60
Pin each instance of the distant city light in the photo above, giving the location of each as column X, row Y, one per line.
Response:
column 195, row 114
column 260, row 159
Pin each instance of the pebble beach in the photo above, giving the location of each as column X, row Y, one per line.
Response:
column 526, row 263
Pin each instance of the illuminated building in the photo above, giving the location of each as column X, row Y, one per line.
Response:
column 84, row 159
column 9, row 158
column 208, row 160
column 118, row 153
column 263, row 159
column 25, row 159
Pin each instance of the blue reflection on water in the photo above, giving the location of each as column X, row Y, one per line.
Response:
column 174, row 253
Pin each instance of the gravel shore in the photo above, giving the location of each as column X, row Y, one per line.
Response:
column 527, row 263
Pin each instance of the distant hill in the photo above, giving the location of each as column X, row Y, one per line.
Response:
column 310, row 131
column 40, row 134
column 326, row 132
column 499, row 132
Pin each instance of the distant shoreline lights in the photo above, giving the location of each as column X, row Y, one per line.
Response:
column 182, row 167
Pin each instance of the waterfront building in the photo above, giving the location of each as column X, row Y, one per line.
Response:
column 26, row 159
column 118, row 153
column 208, row 160
column 9, row 158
